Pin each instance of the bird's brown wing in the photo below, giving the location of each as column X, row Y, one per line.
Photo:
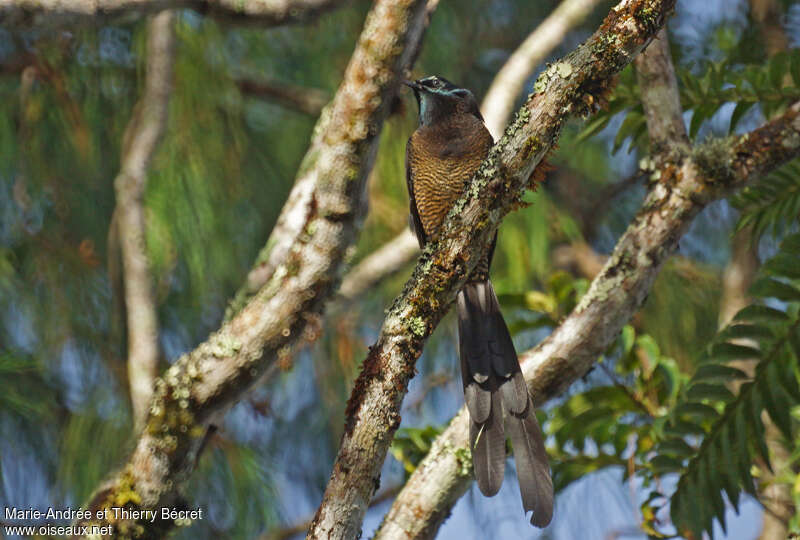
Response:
column 414, row 220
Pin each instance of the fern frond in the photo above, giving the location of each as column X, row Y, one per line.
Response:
column 773, row 204
column 704, row 90
column 729, row 423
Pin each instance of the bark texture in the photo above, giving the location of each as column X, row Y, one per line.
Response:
column 63, row 13
column 372, row 415
column 142, row 135
column 220, row 370
column 660, row 100
column 685, row 187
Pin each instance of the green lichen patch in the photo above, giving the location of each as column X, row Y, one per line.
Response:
column 417, row 326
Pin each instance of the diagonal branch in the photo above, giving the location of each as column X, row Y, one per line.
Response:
column 218, row 372
column 372, row 412
column 142, row 134
column 509, row 82
column 51, row 14
column 686, row 187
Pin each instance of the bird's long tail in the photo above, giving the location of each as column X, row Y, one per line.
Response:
column 494, row 388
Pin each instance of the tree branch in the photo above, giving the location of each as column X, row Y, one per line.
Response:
column 300, row 98
column 218, row 372
column 372, row 413
column 510, row 80
column 379, row 264
column 686, row 187
column 661, row 100
column 68, row 13
column 142, row 134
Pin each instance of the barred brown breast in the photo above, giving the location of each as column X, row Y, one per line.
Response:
column 441, row 158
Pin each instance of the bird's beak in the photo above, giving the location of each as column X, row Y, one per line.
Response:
column 411, row 84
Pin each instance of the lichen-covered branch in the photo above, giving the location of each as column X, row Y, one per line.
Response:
column 220, row 370
column 568, row 87
column 508, row 83
column 63, row 13
column 685, row 187
column 141, row 139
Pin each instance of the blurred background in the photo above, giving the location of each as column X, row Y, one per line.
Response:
column 217, row 184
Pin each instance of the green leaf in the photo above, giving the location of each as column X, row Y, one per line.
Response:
column 758, row 313
column 633, row 121
column 725, row 352
column 745, row 331
column 778, row 403
column 768, row 287
column 738, row 112
column 719, row 372
column 677, row 447
column 682, row 428
column 665, row 464
column 715, row 392
column 697, row 410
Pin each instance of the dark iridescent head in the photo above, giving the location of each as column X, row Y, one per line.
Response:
column 438, row 98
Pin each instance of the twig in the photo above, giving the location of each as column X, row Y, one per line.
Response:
column 142, row 135
column 300, row 98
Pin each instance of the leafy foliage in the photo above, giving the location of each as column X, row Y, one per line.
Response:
column 654, row 421
column 728, row 420
column 773, row 204
column 613, row 424
column 410, row 445
column 772, row 86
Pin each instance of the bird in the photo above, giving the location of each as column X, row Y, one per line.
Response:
column 442, row 154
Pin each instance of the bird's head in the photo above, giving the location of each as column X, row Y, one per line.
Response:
column 438, row 99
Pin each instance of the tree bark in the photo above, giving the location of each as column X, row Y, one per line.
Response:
column 51, row 14
column 220, row 370
column 144, row 130
column 372, row 413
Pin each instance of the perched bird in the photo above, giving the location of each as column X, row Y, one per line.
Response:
column 441, row 156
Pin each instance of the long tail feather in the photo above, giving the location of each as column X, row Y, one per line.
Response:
column 493, row 385
column 533, row 474
column 488, row 443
